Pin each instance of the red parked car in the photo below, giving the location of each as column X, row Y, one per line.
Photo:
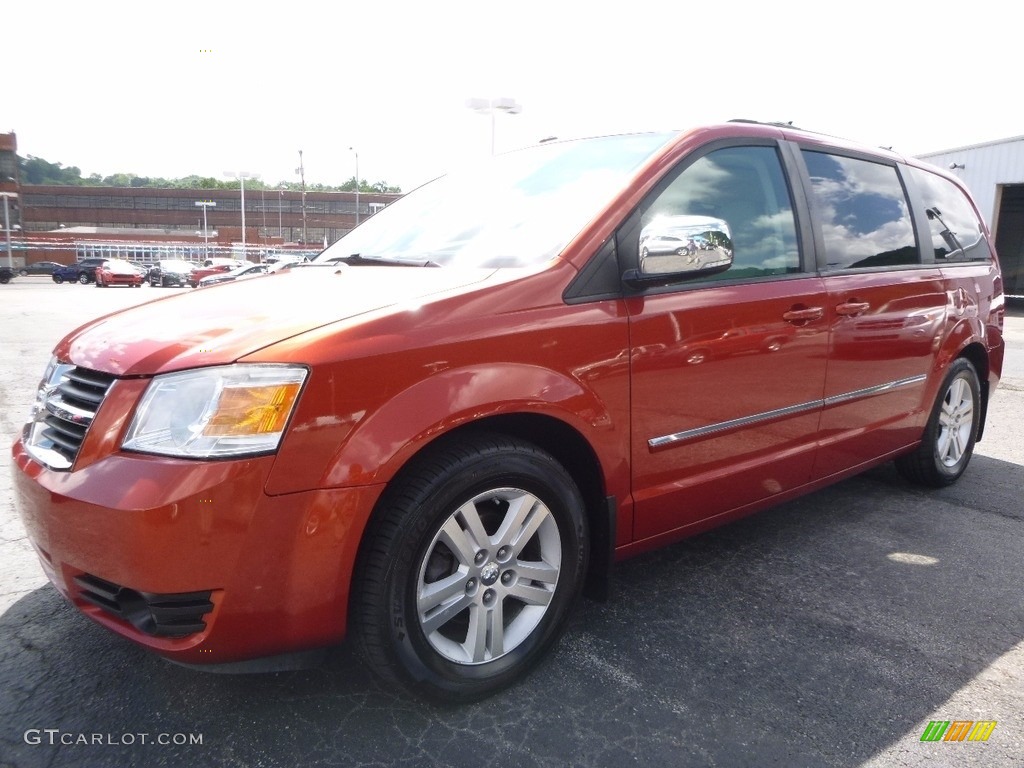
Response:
column 436, row 436
column 118, row 272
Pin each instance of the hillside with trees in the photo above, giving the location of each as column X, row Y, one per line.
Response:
column 36, row 170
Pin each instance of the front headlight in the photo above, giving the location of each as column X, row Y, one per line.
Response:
column 227, row 411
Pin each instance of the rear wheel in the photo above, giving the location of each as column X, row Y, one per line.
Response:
column 83, row 279
column 471, row 568
column 952, row 430
column 58, row 279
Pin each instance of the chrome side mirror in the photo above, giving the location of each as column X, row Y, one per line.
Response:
column 682, row 247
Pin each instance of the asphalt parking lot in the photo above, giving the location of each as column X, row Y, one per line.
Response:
column 825, row 632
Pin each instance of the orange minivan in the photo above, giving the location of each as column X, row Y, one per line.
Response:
column 438, row 434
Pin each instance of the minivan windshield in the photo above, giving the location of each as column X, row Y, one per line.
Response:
column 514, row 210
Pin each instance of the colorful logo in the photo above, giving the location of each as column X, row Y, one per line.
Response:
column 958, row 730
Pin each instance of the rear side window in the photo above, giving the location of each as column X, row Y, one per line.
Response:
column 864, row 214
column 956, row 233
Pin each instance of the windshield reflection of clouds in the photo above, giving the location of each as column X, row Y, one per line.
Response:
column 514, row 210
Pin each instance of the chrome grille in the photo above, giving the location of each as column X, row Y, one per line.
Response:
column 65, row 406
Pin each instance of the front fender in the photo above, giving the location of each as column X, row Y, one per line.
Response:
column 378, row 442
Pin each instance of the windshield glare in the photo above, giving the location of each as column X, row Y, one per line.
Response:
column 514, row 210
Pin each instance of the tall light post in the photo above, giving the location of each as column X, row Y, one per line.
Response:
column 263, row 208
column 204, row 204
column 301, row 170
column 493, row 106
column 281, row 206
column 7, row 227
column 242, row 176
column 357, row 183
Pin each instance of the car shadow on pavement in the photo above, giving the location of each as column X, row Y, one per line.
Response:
column 817, row 633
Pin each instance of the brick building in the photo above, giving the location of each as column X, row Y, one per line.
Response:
column 66, row 223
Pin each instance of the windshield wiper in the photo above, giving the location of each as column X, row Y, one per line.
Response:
column 359, row 260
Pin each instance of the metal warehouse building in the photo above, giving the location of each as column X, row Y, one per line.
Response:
column 994, row 172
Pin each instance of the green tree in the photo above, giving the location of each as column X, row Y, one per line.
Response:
column 35, row 170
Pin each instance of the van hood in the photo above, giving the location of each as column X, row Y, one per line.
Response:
column 222, row 323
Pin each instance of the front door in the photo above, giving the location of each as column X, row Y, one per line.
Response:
column 727, row 371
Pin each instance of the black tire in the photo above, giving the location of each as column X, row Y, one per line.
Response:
column 427, row 531
column 83, row 279
column 4, row 279
column 949, row 437
column 23, row 272
column 57, row 279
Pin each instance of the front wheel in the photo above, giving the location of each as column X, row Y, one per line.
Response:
column 952, row 430
column 58, row 279
column 470, row 569
column 83, row 279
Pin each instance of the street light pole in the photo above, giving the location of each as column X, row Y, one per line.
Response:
column 242, row 176
column 206, row 232
column 357, row 184
column 491, row 107
column 301, row 170
column 7, row 227
column 280, row 205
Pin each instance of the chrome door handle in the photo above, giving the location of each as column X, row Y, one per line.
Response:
column 803, row 315
column 852, row 308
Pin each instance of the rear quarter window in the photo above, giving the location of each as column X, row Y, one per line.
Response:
column 956, row 233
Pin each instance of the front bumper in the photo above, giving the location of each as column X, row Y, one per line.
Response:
column 128, row 532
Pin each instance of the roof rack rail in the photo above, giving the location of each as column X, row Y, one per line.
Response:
column 777, row 123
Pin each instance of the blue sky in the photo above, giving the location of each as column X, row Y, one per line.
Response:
column 166, row 89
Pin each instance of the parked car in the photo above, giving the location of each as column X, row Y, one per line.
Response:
column 143, row 269
column 436, row 436
column 171, row 272
column 82, row 272
column 284, row 264
column 6, row 275
column 252, row 270
column 39, row 268
column 118, row 272
column 214, row 267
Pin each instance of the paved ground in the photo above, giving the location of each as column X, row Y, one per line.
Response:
column 825, row 632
